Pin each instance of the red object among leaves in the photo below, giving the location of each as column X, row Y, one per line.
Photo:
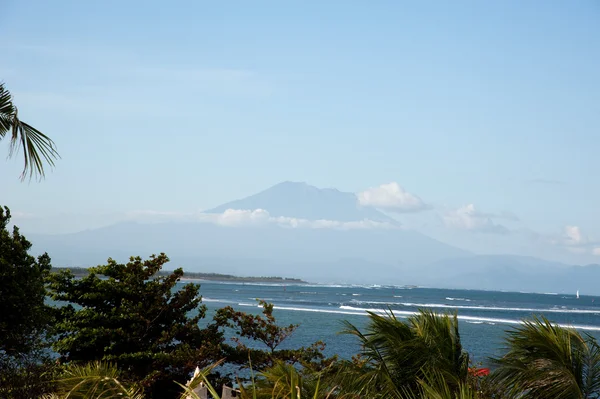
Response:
column 479, row 372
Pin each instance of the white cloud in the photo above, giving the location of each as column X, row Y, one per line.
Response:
column 391, row 197
column 573, row 236
column 257, row 217
column 469, row 218
column 331, row 224
column 575, row 241
column 239, row 217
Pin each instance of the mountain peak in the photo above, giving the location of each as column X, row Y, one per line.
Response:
column 301, row 200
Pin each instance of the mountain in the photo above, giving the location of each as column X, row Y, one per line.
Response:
column 355, row 254
column 301, row 200
column 316, row 254
column 358, row 255
column 510, row 273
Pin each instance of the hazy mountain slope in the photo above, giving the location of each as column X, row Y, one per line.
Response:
column 511, row 273
column 276, row 247
column 322, row 255
column 301, row 200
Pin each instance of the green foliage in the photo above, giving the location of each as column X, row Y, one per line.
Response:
column 25, row 370
column 397, row 355
column 126, row 314
column 435, row 386
column 36, row 146
column 202, row 377
column 258, row 338
column 281, row 381
column 285, row 381
column 547, row 361
column 94, row 380
column 26, row 378
column 23, row 315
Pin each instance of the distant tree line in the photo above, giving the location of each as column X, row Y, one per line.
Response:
column 84, row 271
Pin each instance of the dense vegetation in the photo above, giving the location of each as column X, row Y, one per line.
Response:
column 130, row 331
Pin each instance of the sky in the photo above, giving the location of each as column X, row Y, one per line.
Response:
column 487, row 112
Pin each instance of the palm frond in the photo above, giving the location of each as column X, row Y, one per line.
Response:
column 398, row 354
column 37, row 148
column 95, row 380
column 435, row 386
column 545, row 360
column 200, row 378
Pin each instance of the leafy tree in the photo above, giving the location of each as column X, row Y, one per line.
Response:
column 397, row 356
column 24, row 316
column 27, row 377
column 37, row 148
column 126, row 314
column 547, row 361
column 257, row 340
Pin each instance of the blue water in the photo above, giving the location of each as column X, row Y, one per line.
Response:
column 484, row 316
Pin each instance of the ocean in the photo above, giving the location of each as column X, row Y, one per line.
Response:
column 484, row 316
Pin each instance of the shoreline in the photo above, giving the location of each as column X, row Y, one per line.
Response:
column 199, row 276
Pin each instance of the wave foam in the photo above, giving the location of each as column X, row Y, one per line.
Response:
column 359, row 302
column 216, row 300
column 458, row 299
column 488, row 320
column 500, row 308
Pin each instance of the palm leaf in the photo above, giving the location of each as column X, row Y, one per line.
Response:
column 397, row 355
column 200, row 378
column 545, row 360
column 37, row 148
column 94, row 381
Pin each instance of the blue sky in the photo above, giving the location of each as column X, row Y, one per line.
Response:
column 182, row 107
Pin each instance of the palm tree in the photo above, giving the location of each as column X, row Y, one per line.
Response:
column 548, row 361
column 280, row 381
column 36, row 146
column 93, row 381
column 435, row 386
column 397, row 355
column 284, row 381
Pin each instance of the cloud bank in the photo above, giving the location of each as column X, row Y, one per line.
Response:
column 256, row 218
column 391, row 197
column 470, row 219
column 575, row 241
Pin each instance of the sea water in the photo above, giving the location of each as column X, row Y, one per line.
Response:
column 484, row 316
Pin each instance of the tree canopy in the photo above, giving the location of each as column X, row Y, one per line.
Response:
column 24, row 316
column 127, row 314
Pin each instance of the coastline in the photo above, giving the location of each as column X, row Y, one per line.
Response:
column 199, row 276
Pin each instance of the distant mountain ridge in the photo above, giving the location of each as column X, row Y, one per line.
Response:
column 300, row 200
column 359, row 256
column 511, row 273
